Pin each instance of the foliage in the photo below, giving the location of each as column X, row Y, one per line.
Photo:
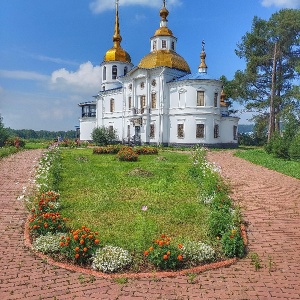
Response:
column 6, row 151
column 164, row 255
column 145, row 150
column 3, row 133
column 111, row 259
column 197, row 252
column 48, row 243
column 127, row 154
column 271, row 52
column 15, row 142
column 294, row 149
column 80, row 244
column 110, row 149
column 232, row 243
column 103, row 136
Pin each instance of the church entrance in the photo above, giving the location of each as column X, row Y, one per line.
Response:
column 137, row 135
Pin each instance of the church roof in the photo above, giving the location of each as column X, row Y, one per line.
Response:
column 195, row 76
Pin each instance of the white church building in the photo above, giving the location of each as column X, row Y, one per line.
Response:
column 159, row 101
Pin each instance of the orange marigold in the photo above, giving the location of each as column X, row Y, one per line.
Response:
column 165, row 257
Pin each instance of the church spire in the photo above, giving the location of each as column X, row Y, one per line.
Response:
column 117, row 36
column 164, row 13
column 203, row 67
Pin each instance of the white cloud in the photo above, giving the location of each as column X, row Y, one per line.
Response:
column 282, row 3
column 85, row 79
column 23, row 75
column 99, row 6
column 54, row 60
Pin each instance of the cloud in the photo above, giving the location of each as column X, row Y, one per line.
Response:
column 99, row 6
column 54, row 60
column 86, row 79
column 23, row 75
column 282, row 3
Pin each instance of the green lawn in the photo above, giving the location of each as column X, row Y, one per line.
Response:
column 108, row 195
column 260, row 157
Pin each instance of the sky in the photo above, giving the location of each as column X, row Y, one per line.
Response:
column 51, row 51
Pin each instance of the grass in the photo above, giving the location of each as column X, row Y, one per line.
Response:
column 260, row 157
column 6, row 151
column 107, row 195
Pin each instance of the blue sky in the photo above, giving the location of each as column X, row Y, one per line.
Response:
column 51, row 50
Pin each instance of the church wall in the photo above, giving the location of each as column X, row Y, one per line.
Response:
column 86, row 128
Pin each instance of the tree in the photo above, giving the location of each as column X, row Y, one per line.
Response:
column 103, row 136
column 3, row 133
column 272, row 53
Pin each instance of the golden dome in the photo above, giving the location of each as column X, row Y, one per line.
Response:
column 117, row 54
column 164, row 58
column 163, row 31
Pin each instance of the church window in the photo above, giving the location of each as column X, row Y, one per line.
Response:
column 173, row 45
column 200, row 131
column 152, row 131
column 154, row 45
column 235, row 131
column 216, row 131
column 142, row 85
column 143, row 101
column 216, row 100
column 153, row 82
column 153, row 101
column 200, row 98
column 112, row 105
column 129, row 102
column 104, row 73
column 114, row 72
column 180, row 131
column 164, row 44
column 130, row 86
column 125, row 70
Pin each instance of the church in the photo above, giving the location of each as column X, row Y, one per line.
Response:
column 159, row 101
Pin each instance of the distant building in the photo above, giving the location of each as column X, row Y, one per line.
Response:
column 159, row 101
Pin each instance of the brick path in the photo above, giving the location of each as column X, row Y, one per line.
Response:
column 270, row 203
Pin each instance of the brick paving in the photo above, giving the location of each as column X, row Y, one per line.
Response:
column 270, row 204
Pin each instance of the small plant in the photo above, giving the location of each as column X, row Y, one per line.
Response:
column 192, row 277
column 121, row 280
column 79, row 245
column 233, row 244
column 110, row 149
column 49, row 243
column 197, row 252
column 164, row 255
column 255, row 261
column 42, row 223
column 111, row 259
column 144, row 150
column 127, row 154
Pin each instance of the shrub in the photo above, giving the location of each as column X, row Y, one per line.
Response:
column 111, row 259
column 233, row 244
column 164, row 255
column 294, row 149
column 197, row 252
column 127, row 154
column 3, row 133
column 48, row 202
column 15, row 142
column 103, row 136
column 145, row 150
column 79, row 245
column 110, row 149
column 49, row 243
column 219, row 222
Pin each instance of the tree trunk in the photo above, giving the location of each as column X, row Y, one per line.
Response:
column 272, row 97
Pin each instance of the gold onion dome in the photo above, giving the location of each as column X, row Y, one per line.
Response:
column 117, row 53
column 164, row 58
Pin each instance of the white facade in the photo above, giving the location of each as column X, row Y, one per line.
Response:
column 159, row 101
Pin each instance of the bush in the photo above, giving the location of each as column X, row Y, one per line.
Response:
column 103, row 136
column 15, row 142
column 127, row 154
column 145, row 150
column 3, row 133
column 164, row 255
column 79, row 245
column 111, row 259
column 49, row 243
column 110, row 149
column 197, row 252
column 294, row 149
column 233, row 244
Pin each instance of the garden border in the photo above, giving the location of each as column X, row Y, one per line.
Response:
column 74, row 268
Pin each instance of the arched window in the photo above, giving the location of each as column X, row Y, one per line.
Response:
column 114, row 73
column 104, row 73
column 125, row 70
column 112, row 105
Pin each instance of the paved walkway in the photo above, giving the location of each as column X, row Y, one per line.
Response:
column 270, row 203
